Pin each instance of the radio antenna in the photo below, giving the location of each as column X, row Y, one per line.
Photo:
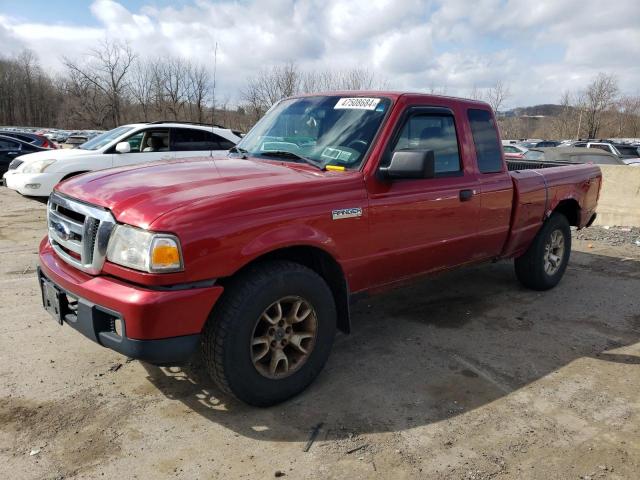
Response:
column 213, row 92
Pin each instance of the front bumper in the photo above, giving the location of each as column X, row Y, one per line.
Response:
column 158, row 326
column 32, row 184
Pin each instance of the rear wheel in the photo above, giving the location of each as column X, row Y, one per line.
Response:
column 544, row 263
column 271, row 333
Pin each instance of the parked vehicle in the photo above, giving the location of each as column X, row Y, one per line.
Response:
column 531, row 143
column 547, row 143
column 256, row 257
column 32, row 138
column 513, row 151
column 125, row 145
column 620, row 150
column 11, row 148
column 572, row 155
column 74, row 141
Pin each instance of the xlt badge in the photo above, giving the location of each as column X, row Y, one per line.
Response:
column 346, row 213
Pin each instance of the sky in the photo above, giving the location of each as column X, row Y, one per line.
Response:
column 538, row 48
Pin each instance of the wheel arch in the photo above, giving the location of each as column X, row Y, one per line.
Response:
column 321, row 262
column 570, row 208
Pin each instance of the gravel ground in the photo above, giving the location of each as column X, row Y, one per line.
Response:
column 462, row 376
column 615, row 236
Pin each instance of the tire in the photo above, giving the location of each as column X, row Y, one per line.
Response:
column 530, row 267
column 240, row 319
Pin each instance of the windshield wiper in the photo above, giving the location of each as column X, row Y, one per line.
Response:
column 293, row 156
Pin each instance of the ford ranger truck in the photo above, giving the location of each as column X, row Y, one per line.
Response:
column 253, row 258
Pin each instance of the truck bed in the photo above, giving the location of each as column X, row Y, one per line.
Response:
column 540, row 187
column 515, row 165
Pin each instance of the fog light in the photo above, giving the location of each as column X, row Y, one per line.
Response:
column 32, row 185
column 117, row 327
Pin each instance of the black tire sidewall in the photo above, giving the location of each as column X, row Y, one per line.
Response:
column 543, row 280
column 242, row 377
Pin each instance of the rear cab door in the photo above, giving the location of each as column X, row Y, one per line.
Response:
column 494, row 183
column 422, row 225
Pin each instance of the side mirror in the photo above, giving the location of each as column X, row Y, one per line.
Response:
column 411, row 164
column 123, row 147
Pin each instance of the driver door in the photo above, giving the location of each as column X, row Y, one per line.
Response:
column 146, row 146
column 423, row 225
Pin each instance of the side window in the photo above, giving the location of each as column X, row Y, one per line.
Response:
column 191, row 140
column 435, row 132
column 155, row 140
column 600, row 147
column 485, row 138
column 8, row 145
column 223, row 143
column 134, row 142
column 510, row 149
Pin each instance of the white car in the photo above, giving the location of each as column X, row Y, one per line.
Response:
column 36, row 174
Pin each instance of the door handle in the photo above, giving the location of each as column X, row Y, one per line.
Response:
column 466, row 195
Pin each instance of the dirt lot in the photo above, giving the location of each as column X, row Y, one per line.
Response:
column 466, row 375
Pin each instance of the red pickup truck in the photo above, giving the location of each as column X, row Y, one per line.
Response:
column 255, row 257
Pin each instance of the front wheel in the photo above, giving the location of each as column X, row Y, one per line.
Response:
column 271, row 334
column 544, row 263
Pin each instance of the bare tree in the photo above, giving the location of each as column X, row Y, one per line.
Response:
column 106, row 69
column 198, row 87
column 141, row 86
column 497, row 94
column 270, row 86
column 599, row 97
column 85, row 104
column 351, row 79
column 475, row 93
column 171, row 82
column 627, row 111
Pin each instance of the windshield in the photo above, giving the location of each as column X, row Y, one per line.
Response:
column 104, row 138
column 322, row 130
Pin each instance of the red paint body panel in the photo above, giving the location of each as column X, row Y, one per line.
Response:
column 228, row 212
column 148, row 314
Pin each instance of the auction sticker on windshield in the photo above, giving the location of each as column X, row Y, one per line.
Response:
column 357, row 103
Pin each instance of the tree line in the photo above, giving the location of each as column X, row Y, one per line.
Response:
column 111, row 85
column 598, row 111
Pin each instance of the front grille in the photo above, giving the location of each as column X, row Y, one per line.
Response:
column 15, row 163
column 79, row 233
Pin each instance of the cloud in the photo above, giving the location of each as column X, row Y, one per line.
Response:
column 537, row 48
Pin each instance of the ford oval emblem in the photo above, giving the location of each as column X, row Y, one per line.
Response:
column 62, row 230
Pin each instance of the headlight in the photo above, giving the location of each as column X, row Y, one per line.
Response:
column 38, row 166
column 143, row 250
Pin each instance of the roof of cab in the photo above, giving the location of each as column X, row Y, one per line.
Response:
column 394, row 95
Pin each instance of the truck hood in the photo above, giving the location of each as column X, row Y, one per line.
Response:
column 141, row 194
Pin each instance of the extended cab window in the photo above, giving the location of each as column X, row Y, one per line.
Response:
column 485, row 138
column 188, row 140
column 435, row 132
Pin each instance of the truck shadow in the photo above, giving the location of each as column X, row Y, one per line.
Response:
column 440, row 348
